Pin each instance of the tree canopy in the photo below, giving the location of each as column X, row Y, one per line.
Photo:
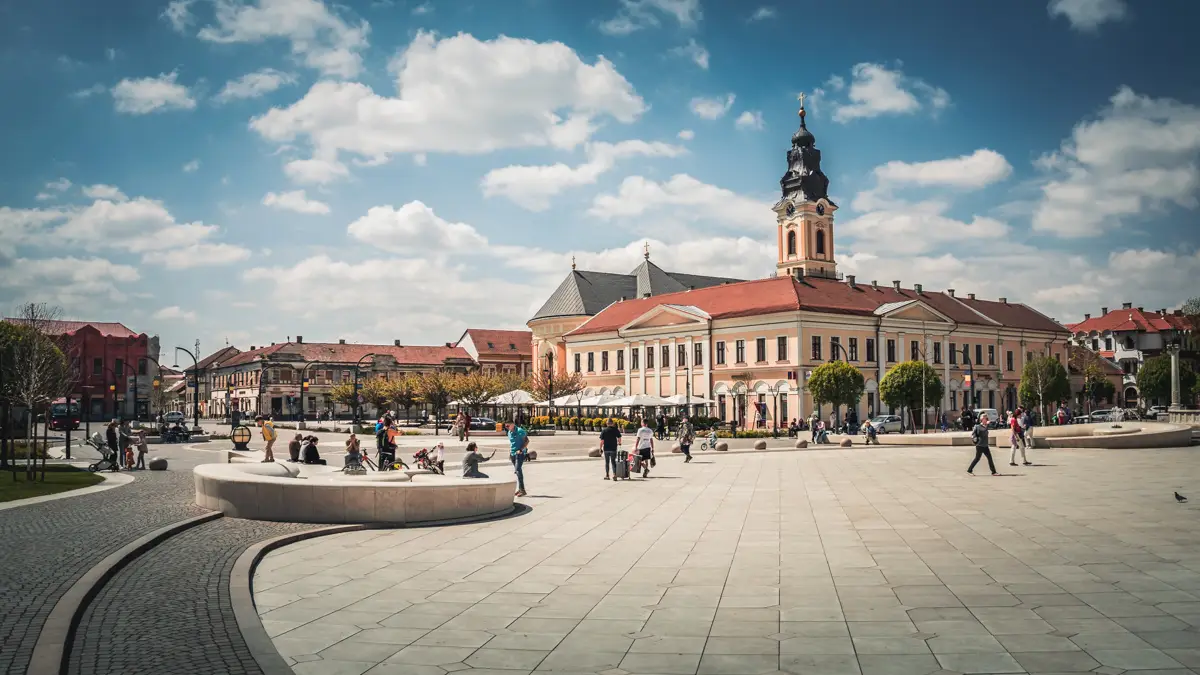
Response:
column 836, row 382
column 1154, row 379
column 910, row 382
column 560, row 384
column 476, row 388
column 1043, row 381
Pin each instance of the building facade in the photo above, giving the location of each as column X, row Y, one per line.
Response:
column 499, row 351
column 750, row 346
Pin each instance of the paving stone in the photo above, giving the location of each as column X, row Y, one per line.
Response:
column 980, row 663
column 1056, row 662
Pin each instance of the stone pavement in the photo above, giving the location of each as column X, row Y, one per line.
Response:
column 836, row 562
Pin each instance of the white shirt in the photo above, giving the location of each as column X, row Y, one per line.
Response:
column 645, row 438
column 439, row 453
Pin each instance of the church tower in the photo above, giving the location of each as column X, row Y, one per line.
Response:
column 805, row 213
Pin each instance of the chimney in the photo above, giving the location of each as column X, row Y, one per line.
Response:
column 1163, row 311
column 970, row 296
column 875, row 284
column 896, row 285
column 1086, row 317
column 396, row 342
column 1004, row 301
column 950, row 291
column 1103, row 311
column 645, row 295
column 917, row 288
column 850, row 281
column 690, row 287
column 449, row 345
column 1126, row 305
column 299, row 339
column 1179, row 312
column 1141, row 309
column 623, row 298
column 252, row 347
column 341, row 342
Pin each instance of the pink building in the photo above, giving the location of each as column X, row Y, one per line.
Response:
column 742, row 343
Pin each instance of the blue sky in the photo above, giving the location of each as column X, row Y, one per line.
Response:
column 253, row 169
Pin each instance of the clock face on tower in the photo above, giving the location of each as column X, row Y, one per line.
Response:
column 791, row 209
column 820, row 209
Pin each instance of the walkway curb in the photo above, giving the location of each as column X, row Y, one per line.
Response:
column 53, row 644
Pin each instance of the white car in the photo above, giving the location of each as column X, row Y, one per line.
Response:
column 174, row 417
column 887, row 423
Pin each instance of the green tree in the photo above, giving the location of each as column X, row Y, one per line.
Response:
column 1154, row 379
column 1097, row 387
column 909, row 383
column 476, row 388
column 437, row 388
column 38, row 370
column 403, row 391
column 375, row 392
column 1043, row 381
column 838, row 383
column 1192, row 307
column 559, row 384
column 343, row 393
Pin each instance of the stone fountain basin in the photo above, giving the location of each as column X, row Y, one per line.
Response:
column 1115, row 430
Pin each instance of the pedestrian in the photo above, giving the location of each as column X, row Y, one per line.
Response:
column 269, row 435
column 687, row 434
column 114, row 445
column 518, row 452
column 945, row 423
column 610, row 439
column 979, row 436
column 459, row 424
column 851, row 421
column 466, row 427
column 126, row 441
column 439, row 457
column 142, row 449
column 870, row 433
column 294, row 448
column 471, row 461
column 1018, row 439
column 661, row 427
column 813, row 422
column 645, row 447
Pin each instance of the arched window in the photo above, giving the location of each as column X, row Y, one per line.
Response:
column 791, row 243
column 1128, row 343
column 820, row 242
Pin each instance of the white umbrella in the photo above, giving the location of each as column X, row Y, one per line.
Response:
column 682, row 399
column 638, row 400
column 599, row 401
column 514, row 397
column 560, row 401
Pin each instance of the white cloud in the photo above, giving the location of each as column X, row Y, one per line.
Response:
column 711, row 108
column 694, row 51
column 734, row 257
column 1138, row 155
column 192, row 166
column 200, row 255
column 876, row 90
column 916, row 230
column 456, row 95
column 315, row 171
column 1088, row 15
column 23, row 226
column 69, row 282
column 532, row 187
column 976, row 170
column 686, row 135
column 422, row 9
column 751, row 119
column 412, row 228
column 175, row 312
column 296, row 201
column 45, row 196
column 638, row 195
column 111, row 54
column 91, row 91
column 254, row 85
column 152, row 94
column 320, row 38
column 178, row 14
column 635, row 15
column 763, row 13
column 104, row 192
column 60, row 185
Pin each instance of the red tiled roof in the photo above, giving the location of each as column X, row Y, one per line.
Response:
column 784, row 294
column 1132, row 320
column 107, row 329
column 500, row 342
column 325, row 352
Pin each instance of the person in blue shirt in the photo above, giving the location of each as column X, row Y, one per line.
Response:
column 518, row 452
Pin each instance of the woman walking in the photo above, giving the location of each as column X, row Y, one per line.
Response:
column 141, row 449
column 979, row 435
column 1018, row 439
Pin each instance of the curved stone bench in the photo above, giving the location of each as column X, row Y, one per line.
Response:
column 1097, row 435
column 271, row 491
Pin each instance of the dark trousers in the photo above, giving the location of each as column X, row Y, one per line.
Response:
column 687, row 449
column 982, row 452
column 610, row 462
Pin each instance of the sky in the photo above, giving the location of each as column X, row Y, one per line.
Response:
column 245, row 171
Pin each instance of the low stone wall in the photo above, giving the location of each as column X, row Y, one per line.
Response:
column 271, row 491
column 1188, row 417
column 1149, row 435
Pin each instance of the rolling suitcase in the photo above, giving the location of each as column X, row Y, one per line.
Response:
column 621, row 470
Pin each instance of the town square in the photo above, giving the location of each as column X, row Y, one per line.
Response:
column 636, row 337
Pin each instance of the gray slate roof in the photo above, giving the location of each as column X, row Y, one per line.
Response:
column 585, row 293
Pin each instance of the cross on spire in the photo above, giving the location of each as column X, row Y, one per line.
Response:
column 646, row 250
column 572, row 262
column 801, row 99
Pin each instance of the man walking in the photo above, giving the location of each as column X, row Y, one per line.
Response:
column 269, row 436
column 687, row 434
column 518, row 451
column 610, row 438
column 979, row 435
column 645, row 446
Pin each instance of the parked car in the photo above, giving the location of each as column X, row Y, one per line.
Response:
column 1156, row 410
column 174, row 417
column 992, row 414
column 1104, row 415
column 477, row 424
column 887, row 423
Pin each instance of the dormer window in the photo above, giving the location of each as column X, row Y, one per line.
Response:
column 512, row 346
column 491, row 346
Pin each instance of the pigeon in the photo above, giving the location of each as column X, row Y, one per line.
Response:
column 1180, row 498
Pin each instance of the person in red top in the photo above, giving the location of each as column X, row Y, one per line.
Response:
column 1018, row 438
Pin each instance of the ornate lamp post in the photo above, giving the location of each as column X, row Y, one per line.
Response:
column 196, row 385
column 303, row 391
column 1173, row 348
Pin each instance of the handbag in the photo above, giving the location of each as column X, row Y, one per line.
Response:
column 653, row 463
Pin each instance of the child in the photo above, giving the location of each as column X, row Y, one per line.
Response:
column 712, row 439
column 141, row 450
column 129, row 457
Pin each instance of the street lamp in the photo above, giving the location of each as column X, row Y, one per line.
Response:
column 966, row 354
column 357, row 398
column 304, row 386
column 834, row 347
column 196, row 385
column 136, row 374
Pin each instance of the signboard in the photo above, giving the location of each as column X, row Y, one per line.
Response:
column 966, row 382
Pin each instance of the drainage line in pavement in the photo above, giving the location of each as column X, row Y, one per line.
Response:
column 52, row 649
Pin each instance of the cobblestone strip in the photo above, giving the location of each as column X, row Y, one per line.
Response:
column 169, row 611
column 49, row 546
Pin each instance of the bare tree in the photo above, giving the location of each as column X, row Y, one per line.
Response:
column 40, row 372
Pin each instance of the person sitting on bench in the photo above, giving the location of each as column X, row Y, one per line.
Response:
column 472, row 460
column 353, row 453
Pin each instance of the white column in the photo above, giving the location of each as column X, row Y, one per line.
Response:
column 642, row 364
column 628, row 367
column 691, row 354
column 674, row 365
column 945, row 374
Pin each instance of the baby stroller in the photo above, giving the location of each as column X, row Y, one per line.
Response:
column 424, row 461
column 108, row 460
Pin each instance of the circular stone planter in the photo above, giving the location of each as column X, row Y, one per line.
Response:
column 760, row 445
column 676, row 449
column 800, row 445
column 846, row 443
column 594, row 452
column 722, row 447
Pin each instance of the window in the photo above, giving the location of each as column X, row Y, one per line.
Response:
column 620, row 359
column 914, row 350
column 991, row 355
column 740, row 351
column 119, row 368
column 820, row 242
column 721, row 353
column 834, row 352
column 953, row 354
column 1028, row 357
column 816, row 348
column 721, row 404
column 97, row 366
column 760, row 350
column 604, row 361
column 577, row 359
column 634, row 355
column 698, row 358
column 1108, row 344
column 591, row 362
column 853, row 349
column 666, row 357
column 937, row 352
column 781, row 352
column 871, row 350
column 870, row 404
column 791, row 243
column 978, row 354
column 1095, row 344
column 491, row 346
column 649, row 357
column 783, row 411
column 891, row 351
column 681, row 356
column 141, row 366
column 1008, row 360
